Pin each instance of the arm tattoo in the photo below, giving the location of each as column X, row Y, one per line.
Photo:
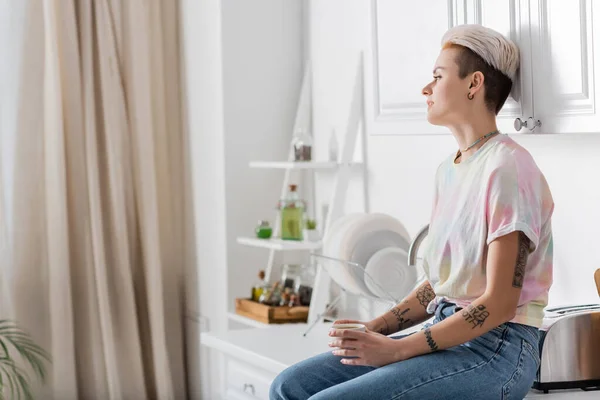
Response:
column 425, row 294
column 386, row 330
column 522, row 255
column 432, row 344
column 402, row 322
column 475, row 315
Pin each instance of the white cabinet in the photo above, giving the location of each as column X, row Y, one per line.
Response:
column 560, row 56
column 510, row 18
column 404, row 44
column 402, row 48
column 566, row 57
column 247, row 381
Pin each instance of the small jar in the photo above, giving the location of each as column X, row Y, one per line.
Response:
column 304, row 283
column 302, row 142
column 263, row 230
column 289, row 274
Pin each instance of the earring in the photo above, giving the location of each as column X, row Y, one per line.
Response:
column 470, row 96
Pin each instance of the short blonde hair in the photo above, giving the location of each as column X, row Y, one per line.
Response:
column 485, row 50
column 496, row 50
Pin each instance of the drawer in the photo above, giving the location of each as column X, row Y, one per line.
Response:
column 246, row 381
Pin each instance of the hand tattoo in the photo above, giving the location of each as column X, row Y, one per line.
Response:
column 475, row 315
column 432, row 344
column 402, row 322
column 522, row 256
column 425, row 294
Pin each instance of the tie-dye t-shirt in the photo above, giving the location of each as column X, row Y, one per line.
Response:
column 496, row 191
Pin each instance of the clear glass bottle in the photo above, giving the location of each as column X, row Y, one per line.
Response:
column 289, row 275
column 303, row 284
column 292, row 215
column 271, row 296
column 302, row 142
column 260, row 287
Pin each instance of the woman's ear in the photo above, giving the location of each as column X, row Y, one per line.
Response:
column 476, row 82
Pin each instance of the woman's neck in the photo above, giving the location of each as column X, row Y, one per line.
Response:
column 468, row 133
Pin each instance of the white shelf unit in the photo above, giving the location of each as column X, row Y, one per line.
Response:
column 342, row 169
column 280, row 244
column 295, row 164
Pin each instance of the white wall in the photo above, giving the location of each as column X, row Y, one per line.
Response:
column 401, row 168
column 202, row 62
column 262, row 73
column 243, row 64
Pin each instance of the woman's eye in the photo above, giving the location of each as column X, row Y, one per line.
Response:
column 435, row 78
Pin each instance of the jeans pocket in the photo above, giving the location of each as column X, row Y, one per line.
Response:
column 522, row 378
column 533, row 352
column 531, row 336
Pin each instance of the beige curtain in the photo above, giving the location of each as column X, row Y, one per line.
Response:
column 99, row 209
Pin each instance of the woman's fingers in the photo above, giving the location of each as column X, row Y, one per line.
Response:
column 346, row 353
column 344, row 344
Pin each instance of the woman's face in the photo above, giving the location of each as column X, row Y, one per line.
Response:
column 447, row 101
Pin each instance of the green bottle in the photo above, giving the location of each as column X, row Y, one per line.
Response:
column 292, row 215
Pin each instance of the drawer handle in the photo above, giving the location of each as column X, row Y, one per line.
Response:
column 251, row 387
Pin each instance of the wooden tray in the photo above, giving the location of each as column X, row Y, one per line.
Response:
column 270, row 314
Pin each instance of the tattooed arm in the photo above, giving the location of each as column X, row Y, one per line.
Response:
column 411, row 311
column 507, row 257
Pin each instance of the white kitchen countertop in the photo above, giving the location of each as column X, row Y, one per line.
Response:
column 275, row 348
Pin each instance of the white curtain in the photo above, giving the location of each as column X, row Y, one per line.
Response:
column 97, row 198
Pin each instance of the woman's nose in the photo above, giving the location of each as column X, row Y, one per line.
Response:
column 426, row 91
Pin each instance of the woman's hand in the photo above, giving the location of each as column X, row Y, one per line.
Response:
column 368, row 348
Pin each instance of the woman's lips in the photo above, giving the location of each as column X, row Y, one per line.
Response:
column 429, row 103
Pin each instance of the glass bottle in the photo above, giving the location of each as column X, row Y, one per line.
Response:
column 263, row 230
column 285, row 297
column 302, row 142
column 259, row 288
column 271, row 296
column 303, row 284
column 292, row 215
column 289, row 275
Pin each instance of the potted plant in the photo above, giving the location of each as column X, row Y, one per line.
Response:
column 14, row 380
column 310, row 230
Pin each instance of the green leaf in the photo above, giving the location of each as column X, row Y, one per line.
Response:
column 12, row 377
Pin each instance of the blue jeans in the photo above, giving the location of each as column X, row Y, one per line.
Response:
column 501, row 364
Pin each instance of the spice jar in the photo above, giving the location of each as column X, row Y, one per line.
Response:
column 302, row 142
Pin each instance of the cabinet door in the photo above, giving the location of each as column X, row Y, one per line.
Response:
column 403, row 44
column 566, row 54
column 510, row 18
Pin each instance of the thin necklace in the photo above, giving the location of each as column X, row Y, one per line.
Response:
column 480, row 139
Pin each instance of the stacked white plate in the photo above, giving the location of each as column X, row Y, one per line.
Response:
column 371, row 253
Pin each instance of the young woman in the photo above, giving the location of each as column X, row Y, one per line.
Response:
column 488, row 259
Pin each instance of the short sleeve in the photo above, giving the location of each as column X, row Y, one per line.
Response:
column 513, row 203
